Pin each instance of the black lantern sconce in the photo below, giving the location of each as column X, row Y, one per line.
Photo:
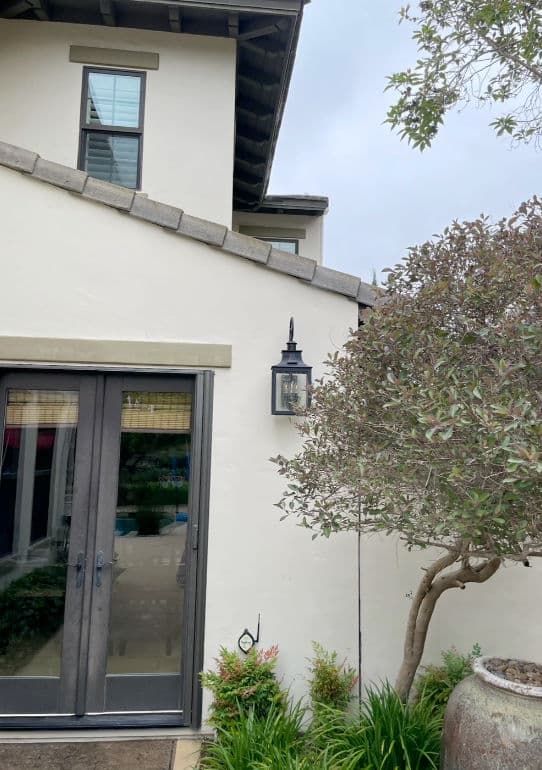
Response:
column 291, row 380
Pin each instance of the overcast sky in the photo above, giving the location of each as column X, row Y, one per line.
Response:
column 385, row 196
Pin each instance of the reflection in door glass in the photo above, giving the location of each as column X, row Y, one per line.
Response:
column 150, row 560
column 36, row 490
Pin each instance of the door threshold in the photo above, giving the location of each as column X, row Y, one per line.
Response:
column 111, row 734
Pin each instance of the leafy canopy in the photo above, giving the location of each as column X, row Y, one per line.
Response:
column 481, row 51
column 429, row 423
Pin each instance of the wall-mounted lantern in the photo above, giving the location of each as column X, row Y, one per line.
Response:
column 291, row 380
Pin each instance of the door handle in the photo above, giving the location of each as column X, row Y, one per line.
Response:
column 100, row 564
column 80, row 569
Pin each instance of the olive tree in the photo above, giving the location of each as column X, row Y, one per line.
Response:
column 479, row 51
column 428, row 425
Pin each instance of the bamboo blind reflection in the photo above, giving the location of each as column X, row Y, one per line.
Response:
column 156, row 412
column 42, row 407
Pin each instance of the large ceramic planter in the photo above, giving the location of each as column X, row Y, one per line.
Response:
column 492, row 724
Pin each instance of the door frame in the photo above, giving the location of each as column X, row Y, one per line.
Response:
column 203, row 382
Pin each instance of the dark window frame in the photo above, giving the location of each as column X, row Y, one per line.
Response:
column 86, row 128
column 271, row 239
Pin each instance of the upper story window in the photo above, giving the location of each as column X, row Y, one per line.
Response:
column 112, row 113
column 284, row 244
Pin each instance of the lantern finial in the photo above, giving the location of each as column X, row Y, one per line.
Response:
column 291, row 329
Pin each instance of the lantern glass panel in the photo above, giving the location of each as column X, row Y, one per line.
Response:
column 291, row 391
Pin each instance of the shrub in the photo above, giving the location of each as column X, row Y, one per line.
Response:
column 331, row 682
column 273, row 742
column 248, row 685
column 437, row 683
column 151, row 494
column 386, row 735
column 32, row 606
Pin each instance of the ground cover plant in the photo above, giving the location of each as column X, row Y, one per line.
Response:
column 428, row 425
column 384, row 734
column 249, row 741
column 387, row 734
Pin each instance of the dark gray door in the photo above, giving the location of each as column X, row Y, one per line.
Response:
column 143, row 548
column 47, row 428
column 99, row 518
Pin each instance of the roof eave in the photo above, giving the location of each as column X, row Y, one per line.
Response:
column 304, row 205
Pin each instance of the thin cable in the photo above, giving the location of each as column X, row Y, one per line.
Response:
column 360, row 652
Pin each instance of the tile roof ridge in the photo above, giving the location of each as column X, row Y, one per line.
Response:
column 176, row 220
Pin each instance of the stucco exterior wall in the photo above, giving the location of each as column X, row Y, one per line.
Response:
column 188, row 137
column 72, row 268
column 85, row 271
column 501, row 615
column 312, row 246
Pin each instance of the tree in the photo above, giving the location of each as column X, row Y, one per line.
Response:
column 428, row 425
column 480, row 51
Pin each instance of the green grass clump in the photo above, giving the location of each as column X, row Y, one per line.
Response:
column 386, row 735
column 274, row 742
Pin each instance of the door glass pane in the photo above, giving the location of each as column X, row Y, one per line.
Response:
column 150, row 552
column 113, row 100
column 36, row 491
column 112, row 157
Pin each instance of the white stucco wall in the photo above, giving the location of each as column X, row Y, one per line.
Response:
column 501, row 614
column 188, row 137
column 82, row 270
column 71, row 268
column 312, row 246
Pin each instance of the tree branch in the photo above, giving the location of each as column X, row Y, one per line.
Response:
column 534, row 71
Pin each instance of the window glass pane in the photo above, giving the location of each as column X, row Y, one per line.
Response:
column 289, row 246
column 113, row 100
column 150, row 561
column 112, row 158
column 36, row 491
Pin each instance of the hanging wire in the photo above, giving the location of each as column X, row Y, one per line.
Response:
column 360, row 638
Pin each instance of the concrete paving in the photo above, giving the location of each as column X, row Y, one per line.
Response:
column 137, row 754
column 117, row 755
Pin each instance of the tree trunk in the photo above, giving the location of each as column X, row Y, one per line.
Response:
column 431, row 588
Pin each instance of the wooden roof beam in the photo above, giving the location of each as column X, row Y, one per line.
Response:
column 254, row 29
column 259, row 79
column 40, row 9
column 14, row 8
column 255, row 110
column 249, row 159
column 175, row 18
column 248, row 137
column 107, row 11
column 233, row 25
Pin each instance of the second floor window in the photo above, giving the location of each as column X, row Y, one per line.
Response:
column 112, row 125
column 284, row 244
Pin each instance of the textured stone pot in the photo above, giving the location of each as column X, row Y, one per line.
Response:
column 492, row 724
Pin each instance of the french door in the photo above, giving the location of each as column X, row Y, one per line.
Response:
column 101, row 499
